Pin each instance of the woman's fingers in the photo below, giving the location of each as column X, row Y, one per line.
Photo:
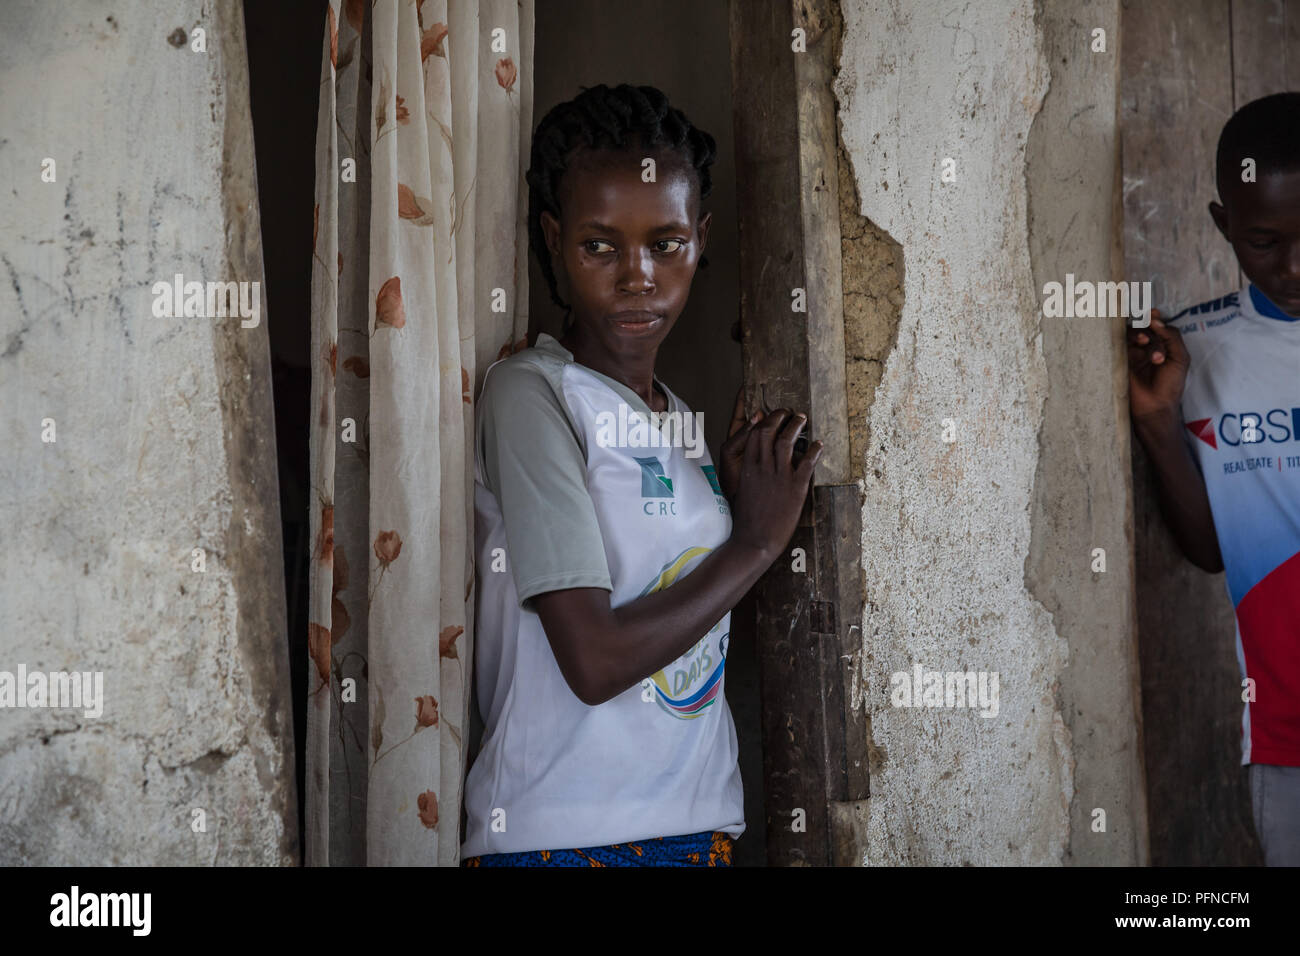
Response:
column 789, row 435
column 809, row 461
column 768, row 432
column 738, row 419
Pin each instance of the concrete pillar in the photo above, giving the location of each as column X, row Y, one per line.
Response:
column 164, row 447
column 982, row 141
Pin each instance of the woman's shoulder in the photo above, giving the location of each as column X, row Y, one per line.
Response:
column 528, row 389
column 528, row 373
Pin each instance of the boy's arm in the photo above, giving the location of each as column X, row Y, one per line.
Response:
column 1158, row 364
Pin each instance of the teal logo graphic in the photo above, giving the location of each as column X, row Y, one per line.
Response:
column 712, row 475
column 654, row 483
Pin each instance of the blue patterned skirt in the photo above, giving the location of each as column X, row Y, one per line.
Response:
column 709, row 848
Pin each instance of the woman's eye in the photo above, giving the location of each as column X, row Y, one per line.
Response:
column 595, row 242
column 1263, row 246
column 679, row 242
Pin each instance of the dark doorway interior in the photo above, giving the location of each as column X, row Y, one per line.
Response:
column 284, row 59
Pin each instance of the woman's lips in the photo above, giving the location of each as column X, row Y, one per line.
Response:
column 637, row 321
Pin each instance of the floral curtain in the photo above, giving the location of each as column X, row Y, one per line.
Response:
column 419, row 282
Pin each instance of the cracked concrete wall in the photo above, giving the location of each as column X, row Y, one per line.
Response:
column 1083, row 490
column 956, row 568
column 164, row 443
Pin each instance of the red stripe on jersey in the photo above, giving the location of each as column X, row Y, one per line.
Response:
column 1269, row 620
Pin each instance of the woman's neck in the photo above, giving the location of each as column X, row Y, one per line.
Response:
column 637, row 373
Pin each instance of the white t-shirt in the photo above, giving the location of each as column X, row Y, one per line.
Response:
column 1241, row 415
column 556, row 507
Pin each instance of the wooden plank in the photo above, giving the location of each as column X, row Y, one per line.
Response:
column 776, row 371
column 828, row 413
column 1177, row 93
column 764, row 98
column 1265, row 48
column 837, row 523
column 808, row 633
column 790, row 665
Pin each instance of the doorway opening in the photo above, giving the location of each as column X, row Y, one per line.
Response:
column 802, row 627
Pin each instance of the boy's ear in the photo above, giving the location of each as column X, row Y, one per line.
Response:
column 1220, row 217
column 705, row 220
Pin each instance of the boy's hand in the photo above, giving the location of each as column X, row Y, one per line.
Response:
column 1157, row 369
column 732, row 454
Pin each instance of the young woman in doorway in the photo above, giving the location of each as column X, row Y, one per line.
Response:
column 607, row 569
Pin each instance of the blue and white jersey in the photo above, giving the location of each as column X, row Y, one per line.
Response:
column 1241, row 412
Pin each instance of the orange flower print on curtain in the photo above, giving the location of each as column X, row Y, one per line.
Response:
column 415, row 208
column 401, row 345
column 388, row 545
column 428, row 804
column 389, row 310
column 506, row 74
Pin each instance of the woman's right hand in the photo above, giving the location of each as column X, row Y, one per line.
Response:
column 772, row 487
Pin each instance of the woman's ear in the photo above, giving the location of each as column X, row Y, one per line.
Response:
column 702, row 230
column 551, row 231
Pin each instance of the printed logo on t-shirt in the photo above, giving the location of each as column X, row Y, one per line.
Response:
column 1275, row 426
column 1230, row 301
column 654, row 483
column 1203, row 428
column 711, row 474
column 1232, row 430
column 692, row 683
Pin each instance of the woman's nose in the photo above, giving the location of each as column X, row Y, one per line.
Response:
column 637, row 273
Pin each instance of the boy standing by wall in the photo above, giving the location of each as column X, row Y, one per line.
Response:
column 1214, row 395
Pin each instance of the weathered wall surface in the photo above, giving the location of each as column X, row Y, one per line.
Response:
column 164, row 444
column 1082, row 492
column 956, row 575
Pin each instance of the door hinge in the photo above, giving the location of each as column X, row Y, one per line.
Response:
column 822, row 617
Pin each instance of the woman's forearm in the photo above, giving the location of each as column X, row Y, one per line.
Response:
column 604, row 651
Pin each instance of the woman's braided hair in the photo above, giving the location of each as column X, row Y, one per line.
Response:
column 601, row 117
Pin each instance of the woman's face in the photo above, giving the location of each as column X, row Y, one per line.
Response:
column 627, row 250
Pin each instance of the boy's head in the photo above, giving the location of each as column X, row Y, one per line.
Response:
column 620, row 243
column 1257, row 171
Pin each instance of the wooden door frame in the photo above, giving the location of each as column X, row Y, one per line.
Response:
column 814, row 727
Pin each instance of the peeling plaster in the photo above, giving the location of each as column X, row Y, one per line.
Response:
column 947, row 526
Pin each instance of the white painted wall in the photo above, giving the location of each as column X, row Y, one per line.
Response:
column 165, row 444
